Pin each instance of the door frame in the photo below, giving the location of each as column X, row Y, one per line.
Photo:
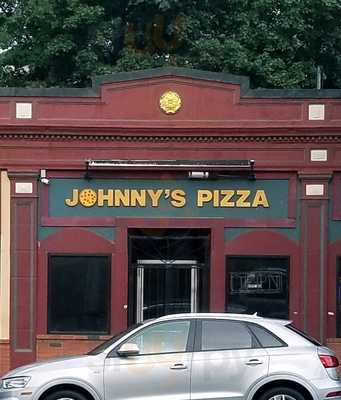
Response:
column 160, row 264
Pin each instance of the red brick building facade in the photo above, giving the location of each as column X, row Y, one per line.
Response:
column 165, row 191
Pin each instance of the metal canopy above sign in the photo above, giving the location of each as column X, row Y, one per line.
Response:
column 172, row 164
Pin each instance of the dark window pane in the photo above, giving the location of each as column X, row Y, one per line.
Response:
column 265, row 338
column 78, row 298
column 225, row 335
column 258, row 284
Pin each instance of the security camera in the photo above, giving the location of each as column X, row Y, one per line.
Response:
column 45, row 181
column 43, row 178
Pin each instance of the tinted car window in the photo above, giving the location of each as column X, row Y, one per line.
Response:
column 225, row 335
column 167, row 337
column 103, row 346
column 265, row 338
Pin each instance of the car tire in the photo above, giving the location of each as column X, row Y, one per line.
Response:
column 65, row 395
column 282, row 393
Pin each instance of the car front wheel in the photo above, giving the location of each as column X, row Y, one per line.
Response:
column 65, row 395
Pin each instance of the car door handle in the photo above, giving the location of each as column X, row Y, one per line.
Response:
column 254, row 361
column 178, row 366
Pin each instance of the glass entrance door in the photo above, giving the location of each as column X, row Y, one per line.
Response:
column 165, row 287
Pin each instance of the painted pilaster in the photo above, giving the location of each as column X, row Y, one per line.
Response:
column 23, row 268
column 217, row 270
column 314, row 257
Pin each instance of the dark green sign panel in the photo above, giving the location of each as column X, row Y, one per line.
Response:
column 258, row 199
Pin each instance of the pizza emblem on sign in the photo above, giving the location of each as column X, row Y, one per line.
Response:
column 87, row 197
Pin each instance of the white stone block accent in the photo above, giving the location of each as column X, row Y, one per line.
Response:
column 24, row 187
column 23, row 110
column 314, row 190
column 318, row 155
column 316, row 112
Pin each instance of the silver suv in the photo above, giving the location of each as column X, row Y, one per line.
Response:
column 188, row 357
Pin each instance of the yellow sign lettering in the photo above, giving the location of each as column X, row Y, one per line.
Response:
column 74, row 201
column 155, row 196
column 216, row 198
column 260, row 199
column 122, row 197
column 138, row 197
column 203, row 196
column 225, row 201
column 244, row 195
column 108, row 198
column 178, row 198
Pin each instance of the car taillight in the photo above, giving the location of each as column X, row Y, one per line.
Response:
column 334, row 394
column 329, row 361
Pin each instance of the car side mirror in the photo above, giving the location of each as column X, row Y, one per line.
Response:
column 128, row 349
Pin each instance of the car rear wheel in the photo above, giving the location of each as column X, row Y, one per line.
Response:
column 65, row 395
column 282, row 393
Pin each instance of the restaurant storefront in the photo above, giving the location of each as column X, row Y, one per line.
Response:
column 161, row 192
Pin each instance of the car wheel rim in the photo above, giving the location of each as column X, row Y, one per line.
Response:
column 65, row 398
column 282, row 397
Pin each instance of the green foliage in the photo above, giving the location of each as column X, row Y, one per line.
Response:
column 278, row 43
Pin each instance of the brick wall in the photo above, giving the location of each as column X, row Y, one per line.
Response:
column 335, row 345
column 4, row 356
column 50, row 346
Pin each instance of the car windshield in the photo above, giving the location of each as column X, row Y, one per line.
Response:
column 99, row 349
column 303, row 334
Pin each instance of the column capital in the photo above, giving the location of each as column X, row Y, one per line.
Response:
column 23, row 184
column 27, row 175
column 315, row 186
column 318, row 177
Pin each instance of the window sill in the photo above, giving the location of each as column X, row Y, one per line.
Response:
column 54, row 336
column 333, row 340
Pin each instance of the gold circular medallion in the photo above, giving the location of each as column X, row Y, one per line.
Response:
column 87, row 197
column 170, row 102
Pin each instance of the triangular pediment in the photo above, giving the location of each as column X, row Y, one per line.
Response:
column 169, row 93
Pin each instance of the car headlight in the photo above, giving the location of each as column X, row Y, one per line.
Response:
column 18, row 382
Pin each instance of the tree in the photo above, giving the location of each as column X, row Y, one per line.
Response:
column 278, row 43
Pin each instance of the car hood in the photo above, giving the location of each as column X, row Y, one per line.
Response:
column 67, row 362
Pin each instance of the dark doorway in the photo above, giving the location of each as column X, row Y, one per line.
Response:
column 168, row 272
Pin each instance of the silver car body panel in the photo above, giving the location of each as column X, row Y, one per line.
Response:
column 281, row 377
column 83, row 371
column 160, row 376
column 202, row 375
column 210, row 370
